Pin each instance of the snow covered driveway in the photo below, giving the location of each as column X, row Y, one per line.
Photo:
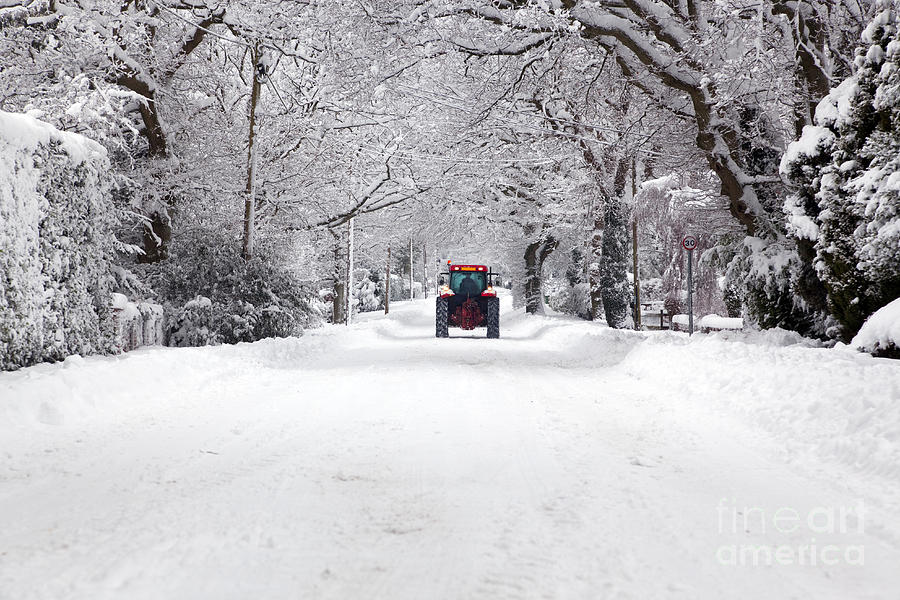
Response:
column 564, row 460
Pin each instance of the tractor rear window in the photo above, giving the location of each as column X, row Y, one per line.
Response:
column 467, row 283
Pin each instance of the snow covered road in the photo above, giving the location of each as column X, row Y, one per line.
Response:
column 564, row 460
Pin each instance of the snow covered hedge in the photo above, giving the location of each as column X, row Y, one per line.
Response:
column 846, row 169
column 56, row 241
column 213, row 296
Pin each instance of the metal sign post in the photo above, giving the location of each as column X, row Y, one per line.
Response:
column 689, row 243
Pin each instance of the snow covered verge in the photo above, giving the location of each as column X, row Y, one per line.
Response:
column 830, row 410
column 55, row 243
column 97, row 389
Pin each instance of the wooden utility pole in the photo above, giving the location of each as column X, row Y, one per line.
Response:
column 634, row 245
column 387, row 284
column 348, row 307
column 637, row 276
column 259, row 74
column 411, row 295
column 424, row 271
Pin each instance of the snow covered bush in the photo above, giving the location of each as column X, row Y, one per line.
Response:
column 570, row 295
column 56, row 242
column 399, row 287
column 569, row 299
column 672, row 304
column 880, row 334
column 558, row 293
column 193, row 325
column 365, row 291
column 846, row 169
column 248, row 300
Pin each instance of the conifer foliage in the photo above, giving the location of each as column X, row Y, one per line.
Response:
column 613, row 265
column 846, row 208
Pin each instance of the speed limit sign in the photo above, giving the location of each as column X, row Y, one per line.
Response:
column 689, row 243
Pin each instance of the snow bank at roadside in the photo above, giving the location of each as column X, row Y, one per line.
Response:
column 138, row 384
column 820, row 406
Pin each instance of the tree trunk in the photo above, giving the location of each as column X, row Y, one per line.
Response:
column 158, row 232
column 532, row 279
column 348, row 286
column 156, row 139
column 719, row 148
column 810, row 58
column 339, row 285
column 250, row 200
column 535, row 255
column 158, row 229
column 595, row 257
column 157, row 235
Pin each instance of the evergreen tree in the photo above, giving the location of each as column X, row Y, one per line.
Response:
column 614, row 264
column 845, row 210
column 575, row 269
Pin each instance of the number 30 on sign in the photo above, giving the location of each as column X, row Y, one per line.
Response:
column 689, row 242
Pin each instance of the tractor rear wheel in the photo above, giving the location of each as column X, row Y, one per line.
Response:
column 440, row 318
column 493, row 317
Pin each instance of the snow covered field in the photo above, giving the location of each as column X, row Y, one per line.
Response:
column 565, row 460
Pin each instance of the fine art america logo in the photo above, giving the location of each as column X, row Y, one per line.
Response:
column 812, row 537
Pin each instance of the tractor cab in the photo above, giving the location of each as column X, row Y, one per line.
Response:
column 468, row 280
column 468, row 300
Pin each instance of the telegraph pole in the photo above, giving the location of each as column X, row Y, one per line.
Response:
column 387, row 284
column 424, row 271
column 637, row 278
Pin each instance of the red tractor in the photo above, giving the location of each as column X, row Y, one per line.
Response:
column 467, row 301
